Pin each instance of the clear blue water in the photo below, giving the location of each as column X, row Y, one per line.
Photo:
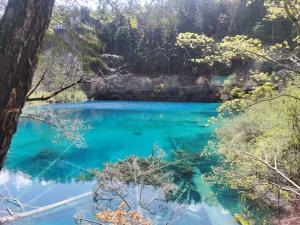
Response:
column 41, row 167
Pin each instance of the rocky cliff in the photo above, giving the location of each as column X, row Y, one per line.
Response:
column 177, row 87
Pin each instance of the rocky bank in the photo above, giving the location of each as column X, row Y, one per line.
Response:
column 179, row 87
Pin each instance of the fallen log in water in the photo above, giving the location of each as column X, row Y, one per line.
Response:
column 18, row 216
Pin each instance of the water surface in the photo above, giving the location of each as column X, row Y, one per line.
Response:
column 42, row 165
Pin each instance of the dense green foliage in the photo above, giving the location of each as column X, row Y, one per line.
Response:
column 144, row 33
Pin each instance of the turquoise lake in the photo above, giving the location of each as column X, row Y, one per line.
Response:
column 42, row 165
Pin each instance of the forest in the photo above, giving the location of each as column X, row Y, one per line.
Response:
column 129, row 112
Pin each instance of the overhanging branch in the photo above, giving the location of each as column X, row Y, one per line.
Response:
column 36, row 117
column 270, row 99
column 45, row 98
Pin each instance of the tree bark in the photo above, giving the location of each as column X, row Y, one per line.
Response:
column 22, row 29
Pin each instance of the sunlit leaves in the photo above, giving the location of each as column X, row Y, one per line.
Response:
column 239, row 46
column 278, row 46
column 192, row 40
column 281, row 9
column 133, row 22
column 275, row 9
column 297, row 40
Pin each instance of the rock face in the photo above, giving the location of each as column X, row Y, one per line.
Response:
column 154, row 88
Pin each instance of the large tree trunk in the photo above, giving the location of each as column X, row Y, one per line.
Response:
column 22, row 29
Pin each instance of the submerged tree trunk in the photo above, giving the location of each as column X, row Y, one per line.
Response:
column 18, row 216
column 22, row 29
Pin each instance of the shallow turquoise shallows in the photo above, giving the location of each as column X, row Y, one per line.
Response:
column 42, row 164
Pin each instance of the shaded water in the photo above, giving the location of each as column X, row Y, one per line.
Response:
column 41, row 168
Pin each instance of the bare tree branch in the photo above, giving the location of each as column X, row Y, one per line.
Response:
column 79, row 219
column 45, row 98
column 273, row 61
column 270, row 99
column 36, row 117
column 38, row 84
column 276, row 170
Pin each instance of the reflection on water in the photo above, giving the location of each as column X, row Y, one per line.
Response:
column 40, row 170
column 34, row 193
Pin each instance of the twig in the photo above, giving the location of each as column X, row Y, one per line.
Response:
column 12, row 200
column 270, row 99
column 10, row 212
column 35, row 117
column 86, row 220
column 38, row 84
